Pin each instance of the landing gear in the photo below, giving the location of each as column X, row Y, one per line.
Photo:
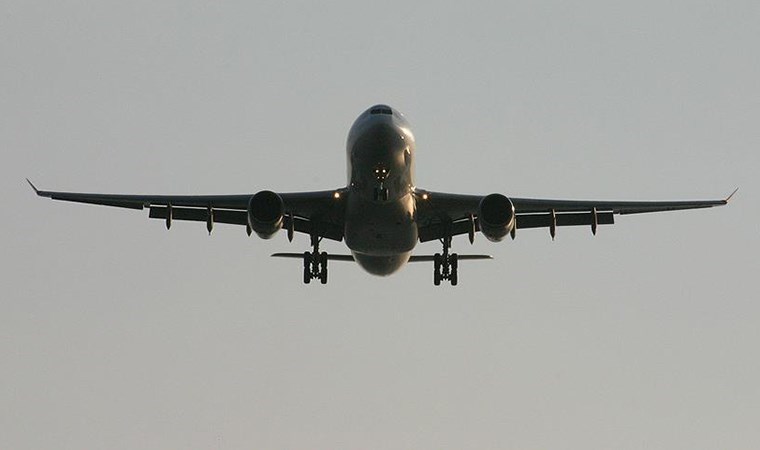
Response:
column 380, row 194
column 437, row 269
column 445, row 266
column 315, row 263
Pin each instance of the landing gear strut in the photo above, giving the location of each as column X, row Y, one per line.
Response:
column 445, row 266
column 315, row 263
column 380, row 193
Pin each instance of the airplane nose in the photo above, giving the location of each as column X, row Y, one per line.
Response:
column 381, row 138
column 379, row 153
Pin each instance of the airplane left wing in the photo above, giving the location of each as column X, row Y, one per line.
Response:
column 319, row 213
column 440, row 213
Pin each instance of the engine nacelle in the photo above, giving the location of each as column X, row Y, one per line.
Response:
column 496, row 216
column 266, row 211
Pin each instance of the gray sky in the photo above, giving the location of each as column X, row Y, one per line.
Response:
column 115, row 333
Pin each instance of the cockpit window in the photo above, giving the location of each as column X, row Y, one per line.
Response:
column 381, row 110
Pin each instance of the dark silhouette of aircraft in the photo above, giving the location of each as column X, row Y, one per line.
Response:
column 380, row 213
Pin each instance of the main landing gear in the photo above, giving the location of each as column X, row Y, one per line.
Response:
column 445, row 266
column 315, row 263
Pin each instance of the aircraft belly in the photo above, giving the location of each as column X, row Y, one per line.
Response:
column 382, row 265
column 380, row 228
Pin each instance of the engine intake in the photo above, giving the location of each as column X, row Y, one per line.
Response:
column 496, row 215
column 265, row 214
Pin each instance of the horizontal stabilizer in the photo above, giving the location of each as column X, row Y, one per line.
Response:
column 431, row 258
column 413, row 258
column 330, row 256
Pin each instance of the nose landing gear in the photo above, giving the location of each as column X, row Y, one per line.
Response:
column 445, row 265
column 315, row 263
column 380, row 193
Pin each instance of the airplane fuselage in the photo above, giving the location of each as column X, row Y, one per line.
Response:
column 380, row 227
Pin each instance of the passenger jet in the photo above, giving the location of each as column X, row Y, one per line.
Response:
column 380, row 213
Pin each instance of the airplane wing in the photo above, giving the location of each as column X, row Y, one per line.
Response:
column 319, row 212
column 440, row 213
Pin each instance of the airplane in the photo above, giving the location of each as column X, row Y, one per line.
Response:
column 380, row 213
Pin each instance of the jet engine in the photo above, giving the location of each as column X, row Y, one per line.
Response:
column 265, row 214
column 496, row 215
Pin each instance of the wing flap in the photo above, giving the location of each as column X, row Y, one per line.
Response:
column 564, row 219
column 438, row 230
column 200, row 215
column 324, row 229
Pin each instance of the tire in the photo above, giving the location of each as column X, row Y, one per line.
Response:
column 454, row 277
column 437, row 269
column 306, row 267
column 323, row 276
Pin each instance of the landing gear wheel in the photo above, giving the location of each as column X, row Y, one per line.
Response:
column 323, row 268
column 454, row 276
column 437, row 269
column 306, row 267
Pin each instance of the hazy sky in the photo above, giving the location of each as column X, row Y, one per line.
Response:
column 115, row 333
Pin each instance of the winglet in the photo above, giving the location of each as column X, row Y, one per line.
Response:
column 732, row 194
column 36, row 191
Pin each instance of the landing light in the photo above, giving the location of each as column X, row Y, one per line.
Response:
column 336, row 195
column 424, row 196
